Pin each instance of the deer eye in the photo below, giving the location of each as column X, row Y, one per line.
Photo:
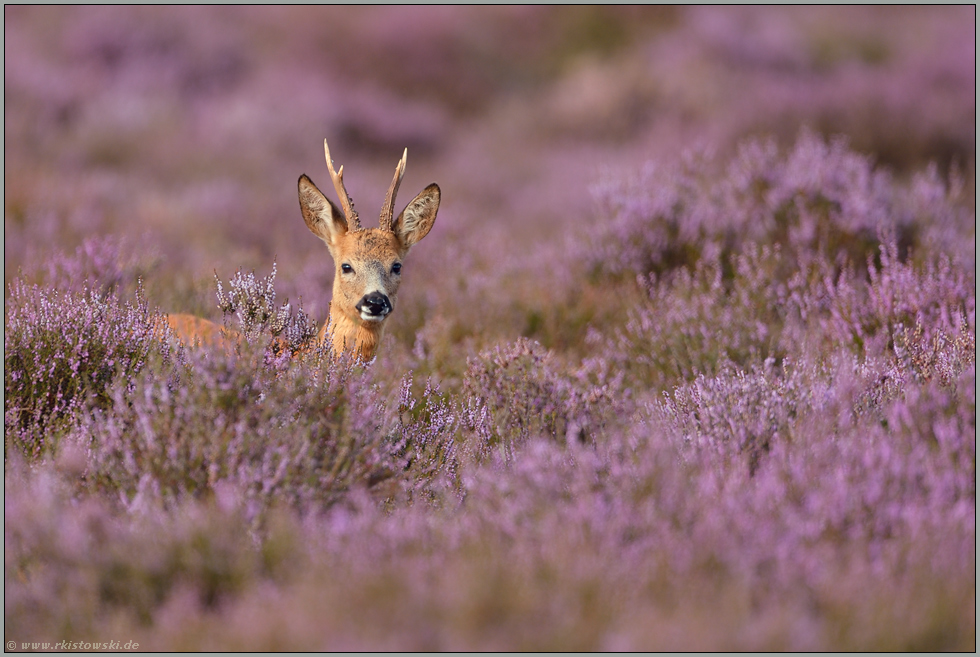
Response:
column 347, row 269
column 396, row 268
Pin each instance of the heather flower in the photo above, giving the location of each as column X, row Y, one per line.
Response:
column 855, row 313
column 817, row 199
column 253, row 302
column 515, row 392
column 691, row 323
column 102, row 264
column 749, row 419
column 63, row 350
column 425, row 435
column 941, row 356
column 80, row 559
column 300, row 435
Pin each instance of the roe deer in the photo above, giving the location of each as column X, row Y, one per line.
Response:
column 367, row 263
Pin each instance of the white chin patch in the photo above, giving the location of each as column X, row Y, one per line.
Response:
column 372, row 318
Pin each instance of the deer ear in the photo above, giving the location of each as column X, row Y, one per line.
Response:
column 320, row 214
column 417, row 218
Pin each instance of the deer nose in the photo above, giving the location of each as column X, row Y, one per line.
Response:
column 374, row 304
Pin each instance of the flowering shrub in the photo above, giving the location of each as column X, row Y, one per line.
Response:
column 726, row 401
column 817, row 200
column 425, row 436
column 129, row 569
column 694, row 323
column 62, row 350
column 299, row 435
column 514, row 393
column 106, row 265
column 854, row 313
column 772, row 307
column 254, row 304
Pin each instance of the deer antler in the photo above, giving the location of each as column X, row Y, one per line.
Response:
column 388, row 209
column 353, row 223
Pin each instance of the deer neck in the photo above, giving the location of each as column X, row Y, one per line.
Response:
column 346, row 334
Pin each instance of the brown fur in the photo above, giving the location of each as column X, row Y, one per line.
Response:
column 196, row 331
column 371, row 255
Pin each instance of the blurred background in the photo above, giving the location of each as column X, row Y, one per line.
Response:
column 740, row 242
column 170, row 139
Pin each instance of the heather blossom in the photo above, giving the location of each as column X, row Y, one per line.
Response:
column 818, row 198
column 253, row 302
column 63, row 350
column 675, row 371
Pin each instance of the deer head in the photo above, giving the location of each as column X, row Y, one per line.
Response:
column 368, row 262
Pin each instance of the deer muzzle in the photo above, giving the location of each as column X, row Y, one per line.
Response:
column 374, row 306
